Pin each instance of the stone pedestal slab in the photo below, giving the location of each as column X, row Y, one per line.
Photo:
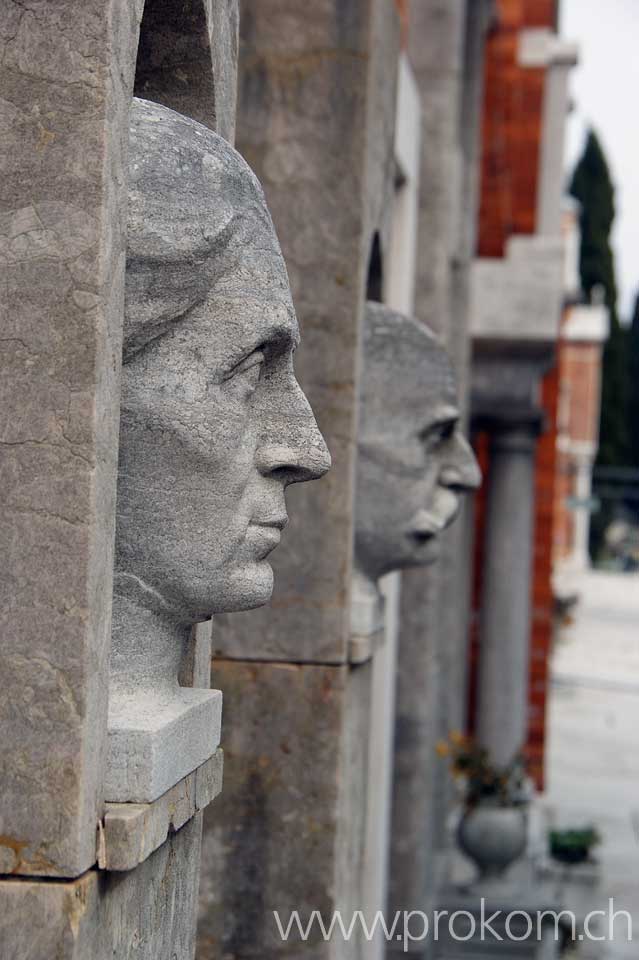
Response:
column 130, row 832
column 520, row 930
column 152, row 745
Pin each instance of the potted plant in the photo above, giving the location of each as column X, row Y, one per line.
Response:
column 573, row 845
column 492, row 830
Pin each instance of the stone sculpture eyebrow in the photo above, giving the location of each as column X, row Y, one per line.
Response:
column 276, row 336
column 448, row 418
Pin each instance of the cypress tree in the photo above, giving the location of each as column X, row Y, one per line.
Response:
column 592, row 186
column 633, row 387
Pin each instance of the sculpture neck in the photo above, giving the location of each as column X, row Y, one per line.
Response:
column 147, row 647
column 367, row 604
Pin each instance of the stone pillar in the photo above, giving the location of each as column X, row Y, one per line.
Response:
column 580, row 556
column 506, row 591
column 79, row 877
column 316, row 116
column 517, row 294
column 67, row 77
column 399, row 293
column 445, row 48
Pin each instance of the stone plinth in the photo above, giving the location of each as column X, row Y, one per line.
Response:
column 152, row 744
column 130, row 832
column 518, row 932
column 519, row 297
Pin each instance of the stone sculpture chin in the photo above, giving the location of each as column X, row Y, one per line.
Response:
column 413, row 460
column 214, row 426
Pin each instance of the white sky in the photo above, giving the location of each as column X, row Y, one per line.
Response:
column 605, row 92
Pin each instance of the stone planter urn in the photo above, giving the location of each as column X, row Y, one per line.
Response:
column 493, row 837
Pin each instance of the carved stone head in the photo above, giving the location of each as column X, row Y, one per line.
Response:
column 214, row 425
column 413, row 460
column 213, row 428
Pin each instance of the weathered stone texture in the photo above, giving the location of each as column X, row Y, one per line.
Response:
column 412, row 835
column 445, row 49
column 213, row 428
column 66, row 78
column 414, row 461
column 315, row 120
column 187, row 59
column 132, row 831
column 287, row 831
column 145, row 914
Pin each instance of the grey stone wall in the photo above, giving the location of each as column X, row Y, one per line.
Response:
column 287, row 832
column 316, row 102
column 445, row 49
column 315, row 121
column 187, row 59
column 67, row 78
column 143, row 914
column 315, row 118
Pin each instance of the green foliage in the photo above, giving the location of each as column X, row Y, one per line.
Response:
column 573, row 845
column 592, row 186
column 633, row 386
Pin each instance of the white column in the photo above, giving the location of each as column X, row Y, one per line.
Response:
column 580, row 558
column 506, row 592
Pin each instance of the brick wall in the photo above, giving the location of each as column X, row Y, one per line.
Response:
column 511, row 127
column 541, row 629
column 578, row 425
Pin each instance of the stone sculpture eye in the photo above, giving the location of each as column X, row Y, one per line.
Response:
column 446, row 430
column 437, row 433
column 248, row 371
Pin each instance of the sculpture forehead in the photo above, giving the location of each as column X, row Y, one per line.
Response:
column 198, row 226
column 176, row 162
column 407, row 373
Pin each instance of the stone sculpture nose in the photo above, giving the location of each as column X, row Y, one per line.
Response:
column 295, row 451
column 461, row 469
column 301, row 458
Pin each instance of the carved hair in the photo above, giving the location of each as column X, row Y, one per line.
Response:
column 194, row 208
column 394, row 342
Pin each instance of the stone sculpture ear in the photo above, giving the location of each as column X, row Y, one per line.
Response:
column 213, row 428
column 413, row 461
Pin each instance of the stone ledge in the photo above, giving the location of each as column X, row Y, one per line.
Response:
column 362, row 647
column 518, row 298
column 131, row 832
column 154, row 742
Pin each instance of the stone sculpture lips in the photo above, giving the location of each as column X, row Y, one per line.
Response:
column 429, row 523
column 265, row 535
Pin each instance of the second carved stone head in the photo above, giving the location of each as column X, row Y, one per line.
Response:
column 413, row 460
